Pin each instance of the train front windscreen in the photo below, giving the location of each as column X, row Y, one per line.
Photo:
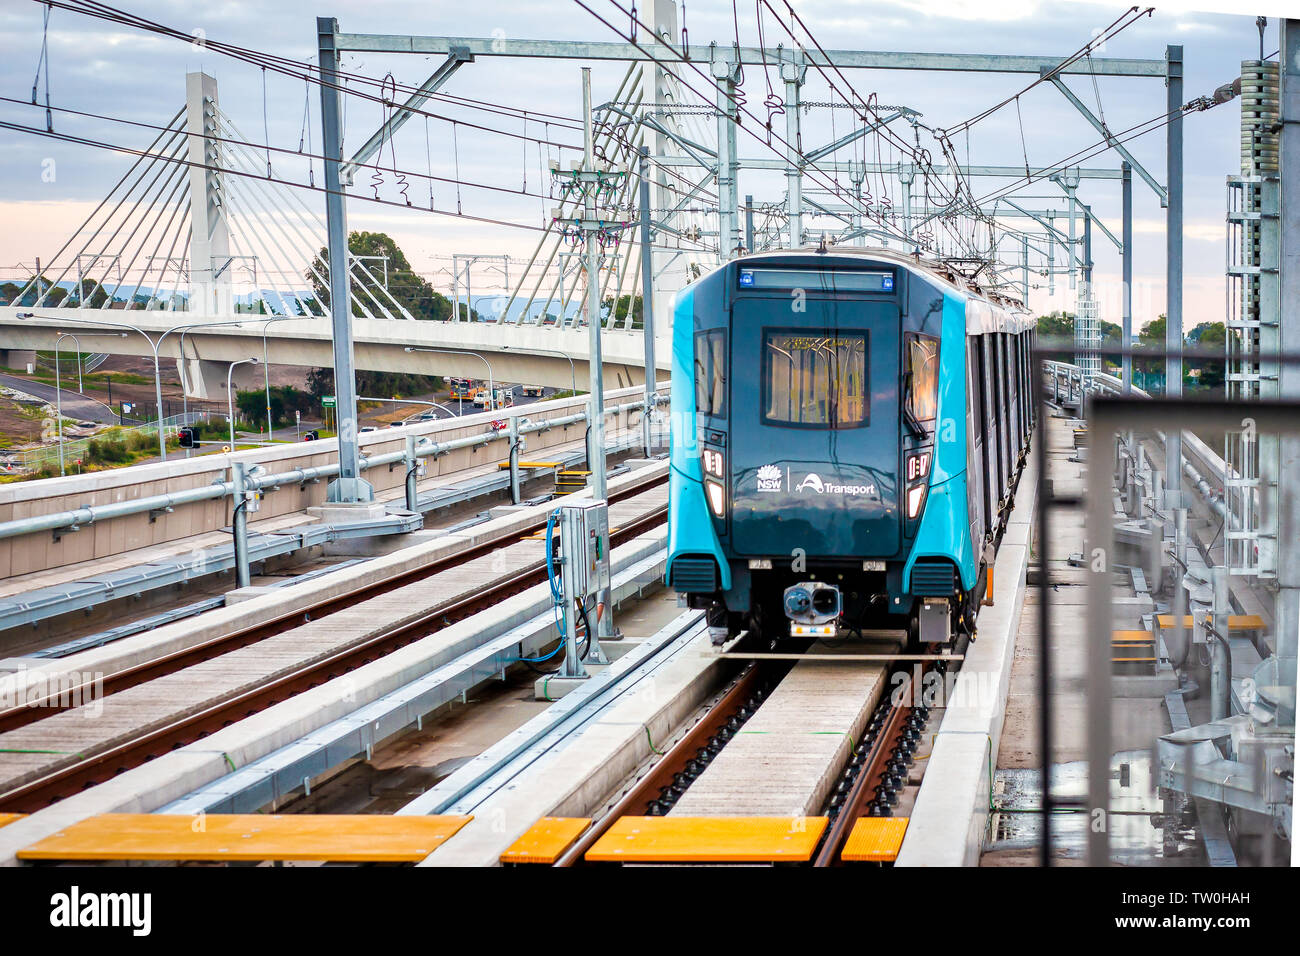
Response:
column 815, row 423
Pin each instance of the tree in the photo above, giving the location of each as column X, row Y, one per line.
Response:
column 90, row 290
column 1149, row 373
column 404, row 285
column 1057, row 325
column 1210, row 336
column 620, row 309
column 320, row 382
column 284, row 400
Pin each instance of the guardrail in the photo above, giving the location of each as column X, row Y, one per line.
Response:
column 420, row 442
column 1200, row 463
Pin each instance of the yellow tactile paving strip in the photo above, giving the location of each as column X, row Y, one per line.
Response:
column 546, row 840
column 875, row 840
column 675, row 839
column 244, row 837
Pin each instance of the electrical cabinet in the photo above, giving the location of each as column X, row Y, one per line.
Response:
column 584, row 546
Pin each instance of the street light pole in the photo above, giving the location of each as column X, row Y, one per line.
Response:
column 230, row 395
column 266, row 368
column 647, row 292
column 58, row 400
column 154, row 347
column 81, row 386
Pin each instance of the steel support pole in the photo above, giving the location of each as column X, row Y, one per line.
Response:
column 595, row 368
column 413, row 475
column 647, row 300
column 1051, row 256
column 1024, row 267
column 749, row 223
column 793, row 74
column 1174, row 271
column 906, row 173
column 1087, row 250
column 1126, row 289
column 1287, row 604
column 1099, row 546
column 515, row 496
column 724, row 74
column 1220, row 692
column 1073, row 256
column 455, row 288
column 239, row 523
column 349, row 486
column 595, row 363
column 157, row 392
column 1181, row 633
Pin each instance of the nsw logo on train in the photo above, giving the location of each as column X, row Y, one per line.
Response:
column 770, row 478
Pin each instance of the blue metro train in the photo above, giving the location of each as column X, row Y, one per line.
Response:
column 847, row 431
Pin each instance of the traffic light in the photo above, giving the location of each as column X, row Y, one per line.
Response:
column 189, row 437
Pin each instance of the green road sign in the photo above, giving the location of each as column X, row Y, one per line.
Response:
column 327, row 401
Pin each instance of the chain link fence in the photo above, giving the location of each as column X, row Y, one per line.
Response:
column 34, row 459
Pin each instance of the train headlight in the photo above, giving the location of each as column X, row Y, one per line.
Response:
column 716, row 498
column 915, row 500
column 918, row 465
column 713, row 462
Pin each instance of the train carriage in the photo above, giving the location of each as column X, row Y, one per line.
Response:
column 848, row 429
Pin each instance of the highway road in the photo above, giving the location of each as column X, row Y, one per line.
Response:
column 75, row 405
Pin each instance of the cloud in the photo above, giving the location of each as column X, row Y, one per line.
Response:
column 1206, row 230
column 103, row 68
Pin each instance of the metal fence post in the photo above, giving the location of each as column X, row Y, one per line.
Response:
column 412, row 474
column 515, row 443
column 239, row 522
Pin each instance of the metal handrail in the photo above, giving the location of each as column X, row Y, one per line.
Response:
column 89, row 514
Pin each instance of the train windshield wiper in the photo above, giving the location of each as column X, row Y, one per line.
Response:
column 918, row 431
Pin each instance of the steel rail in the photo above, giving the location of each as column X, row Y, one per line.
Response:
column 30, row 712
column 97, row 767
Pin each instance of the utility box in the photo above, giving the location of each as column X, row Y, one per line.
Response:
column 584, row 544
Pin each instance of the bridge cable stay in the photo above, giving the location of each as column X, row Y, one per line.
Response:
column 128, row 179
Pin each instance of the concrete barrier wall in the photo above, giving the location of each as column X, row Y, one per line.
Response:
column 42, row 551
column 951, row 813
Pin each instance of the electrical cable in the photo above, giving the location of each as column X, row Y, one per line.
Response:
column 830, row 183
column 310, row 156
column 132, row 151
column 277, row 64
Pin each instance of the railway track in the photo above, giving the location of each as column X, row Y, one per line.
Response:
column 40, row 707
column 47, row 775
column 868, row 784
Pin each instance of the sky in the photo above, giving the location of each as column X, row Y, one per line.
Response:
column 47, row 188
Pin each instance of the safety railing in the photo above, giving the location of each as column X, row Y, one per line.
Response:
column 512, row 428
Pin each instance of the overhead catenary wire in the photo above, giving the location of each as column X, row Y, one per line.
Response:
column 100, row 144
column 310, row 156
column 684, row 59
column 285, row 66
column 306, row 72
